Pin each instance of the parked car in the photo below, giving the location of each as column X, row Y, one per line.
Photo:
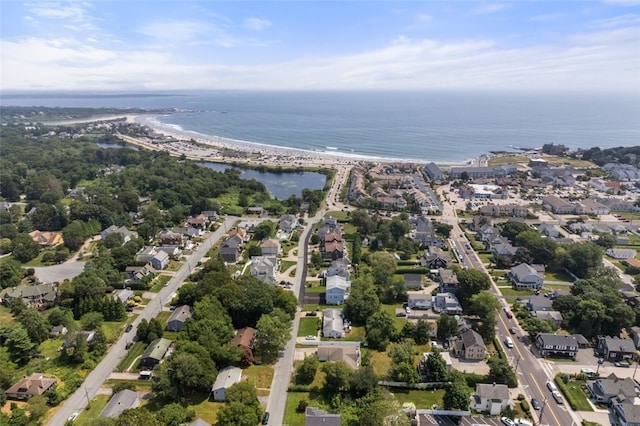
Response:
column 265, row 418
column 622, row 364
column 507, row 421
column 129, row 328
column 310, row 337
column 535, row 404
column 552, row 386
column 73, row 417
column 556, row 395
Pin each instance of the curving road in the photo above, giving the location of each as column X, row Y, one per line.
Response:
column 78, row 401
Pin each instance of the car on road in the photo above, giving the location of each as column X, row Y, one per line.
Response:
column 556, row 395
column 128, row 345
column 310, row 337
column 512, row 330
column 535, row 404
column 507, row 421
column 552, row 386
column 622, row 364
column 129, row 328
column 73, row 417
column 265, row 418
column 508, row 342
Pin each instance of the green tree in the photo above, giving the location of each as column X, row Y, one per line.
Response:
column 337, row 378
column 484, row 304
column 37, row 408
column 582, row 257
column 363, row 382
column 242, row 407
column 447, row 327
column 139, row 416
column 174, row 415
column 380, row 330
column 306, row 372
column 91, row 320
column 362, row 302
column 11, row 273
column 264, row 229
column 435, row 367
column 422, row 331
column 19, row 345
column 36, row 325
column 458, row 394
column 273, row 333
column 24, row 248
column 471, row 281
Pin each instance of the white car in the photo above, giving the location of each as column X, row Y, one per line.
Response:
column 507, row 421
column 73, row 417
column 310, row 337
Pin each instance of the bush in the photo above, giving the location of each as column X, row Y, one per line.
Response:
column 521, row 397
column 525, row 407
column 302, row 406
column 298, row 388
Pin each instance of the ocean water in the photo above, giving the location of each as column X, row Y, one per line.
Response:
column 423, row 126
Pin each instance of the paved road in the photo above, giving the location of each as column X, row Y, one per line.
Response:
column 101, row 372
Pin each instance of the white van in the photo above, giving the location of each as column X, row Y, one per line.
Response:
column 552, row 386
column 508, row 342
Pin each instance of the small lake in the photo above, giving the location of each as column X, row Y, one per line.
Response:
column 280, row 185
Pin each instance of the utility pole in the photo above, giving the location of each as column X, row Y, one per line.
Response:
column 544, row 405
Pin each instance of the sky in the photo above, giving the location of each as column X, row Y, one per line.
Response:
column 162, row 45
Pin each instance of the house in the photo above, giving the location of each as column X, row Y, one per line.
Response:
column 31, row 295
column 154, row 353
column 349, row 354
column 491, row 398
column 549, row 230
column 227, row 377
column 558, row 205
column 58, row 330
column 425, row 233
column 211, row 215
column 170, row 250
column 338, row 267
column 525, row 276
column 146, row 253
column 160, row 260
column 626, row 411
column 615, row 348
column 170, row 238
column 621, row 253
column 557, row 345
column 635, row 332
column 419, row 301
column 264, row 268
column 199, row 422
column 448, row 281
column 332, row 323
column 270, row 247
column 446, row 303
column 123, row 400
column 436, row 257
column 47, row 240
column 287, row 223
column 71, row 339
column 135, row 274
column 244, row 339
column 231, row 248
column 539, row 303
column 486, row 232
column 317, row 417
column 198, row 222
column 554, row 316
column 123, row 231
column 470, row 346
column 506, row 251
column 413, row 281
column 603, row 390
column 28, row 386
column 178, row 318
column 124, row 295
column 591, row 206
column 433, row 171
column 337, row 290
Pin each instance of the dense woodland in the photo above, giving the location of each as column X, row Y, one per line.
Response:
column 621, row 155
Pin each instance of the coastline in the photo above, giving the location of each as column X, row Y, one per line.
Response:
column 272, row 155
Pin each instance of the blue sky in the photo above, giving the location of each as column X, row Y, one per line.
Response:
column 305, row 45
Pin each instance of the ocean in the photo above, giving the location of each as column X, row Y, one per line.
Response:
column 441, row 126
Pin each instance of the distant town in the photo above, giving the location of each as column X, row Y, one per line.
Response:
column 139, row 287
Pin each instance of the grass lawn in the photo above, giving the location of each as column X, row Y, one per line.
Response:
column 356, row 334
column 163, row 317
column 423, row 399
column 135, row 351
column 506, row 159
column 5, row 316
column 308, row 326
column 318, row 289
column 291, row 417
column 380, row 362
column 49, row 348
column 509, row 291
column 286, row 264
column 173, row 266
column 159, row 282
column 485, row 258
column 93, row 410
column 575, row 392
column 557, row 276
column 206, row 410
column 260, row 376
column 399, row 322
column 112, row 330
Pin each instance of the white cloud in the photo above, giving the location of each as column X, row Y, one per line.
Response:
column 256, row 24
column 490, row 8
column 546, row 17
column 176, row 30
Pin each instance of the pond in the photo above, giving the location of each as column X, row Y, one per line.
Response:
column 280, row 185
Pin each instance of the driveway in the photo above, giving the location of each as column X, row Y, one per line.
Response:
column 60, row 272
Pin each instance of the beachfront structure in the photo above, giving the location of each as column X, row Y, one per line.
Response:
column 482, row 192
column 482, row 172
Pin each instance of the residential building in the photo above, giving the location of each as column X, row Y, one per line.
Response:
column 448, row 281
column 626, row 411
column 338, row 267
column 506, row 251
column 470, row 346
column 317, row 417
column 419, row 301
column 591, row 206
column 124, row 295
column 558, row 205
column 413, row 281
column 337, row 290
column 31, row 295
column 617, row 253
column 287, row 223
column 615, row 348
column 603, row 390
column 230, row 250
column 492, row 399
column 28, row 386
column 436, row 257
column 227, row 377
column 635, row 332
column 557, row 345
column 160, row 260
column 198, row 222
column 433, row 171
column 126, row 399
column 446, row 303
column 264, row 268
column 484, row 192
column 525, row 276
column 199, row 422
column 170, row 238
column 123, row 231
column 244, row 339
column 332, row 323
column 146, row 253
column 154, row 353
column 178, row 318
column 473, row 172
column 349, row 354
column 270, row 247
column 135, row 274
column 554, row 316
column 47, row 240
column 539, row 303
column 498, row 210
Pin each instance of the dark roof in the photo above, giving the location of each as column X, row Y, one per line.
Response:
column 123, row 400
column 317, row 417
column 181, row 314
column 157, row 349
column 558, row 339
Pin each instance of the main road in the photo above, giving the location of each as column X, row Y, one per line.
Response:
column 81, row 397
column 531, row 372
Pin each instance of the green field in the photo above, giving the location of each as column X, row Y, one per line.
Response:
column 93, row 410
column 308, row 326
column 576, row 393
column 423, row 399
column 291, row 417
column 509, row 291
column 135, row 351
column 318, row 289
column 260, row 375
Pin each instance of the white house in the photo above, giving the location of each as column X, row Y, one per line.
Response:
column 491, row 398
column 420, row 301
column 621, row 253
column 337, row 290
column 525, row 276
column 332, row 323
column 227, row 377
column 160, row 260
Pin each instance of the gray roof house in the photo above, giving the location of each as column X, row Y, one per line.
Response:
column 626, row 411
column 615, row 348
column 160, row 260
column 491, row 398
column 30, row 294
column 154, row 352
column 621, row 253
column 539, row 303
column 231, row 248
column 123, row 400
column 606, row 388
column 199, row 422
column 317, row 417
column 337, row 290
column 419, row 301
column 446, row 303
column 123, row 231
column 470, row 346
column 349, row 354
column 338, row 267
column 178, row 317
column 264, row 268
column 227, row 377
column 288, row 223
column 524, row 276
column 557, row 345
column 332, row 323
column 413, row 281
column 553, row 316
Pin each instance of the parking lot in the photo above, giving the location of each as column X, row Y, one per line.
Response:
column 428, row 420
